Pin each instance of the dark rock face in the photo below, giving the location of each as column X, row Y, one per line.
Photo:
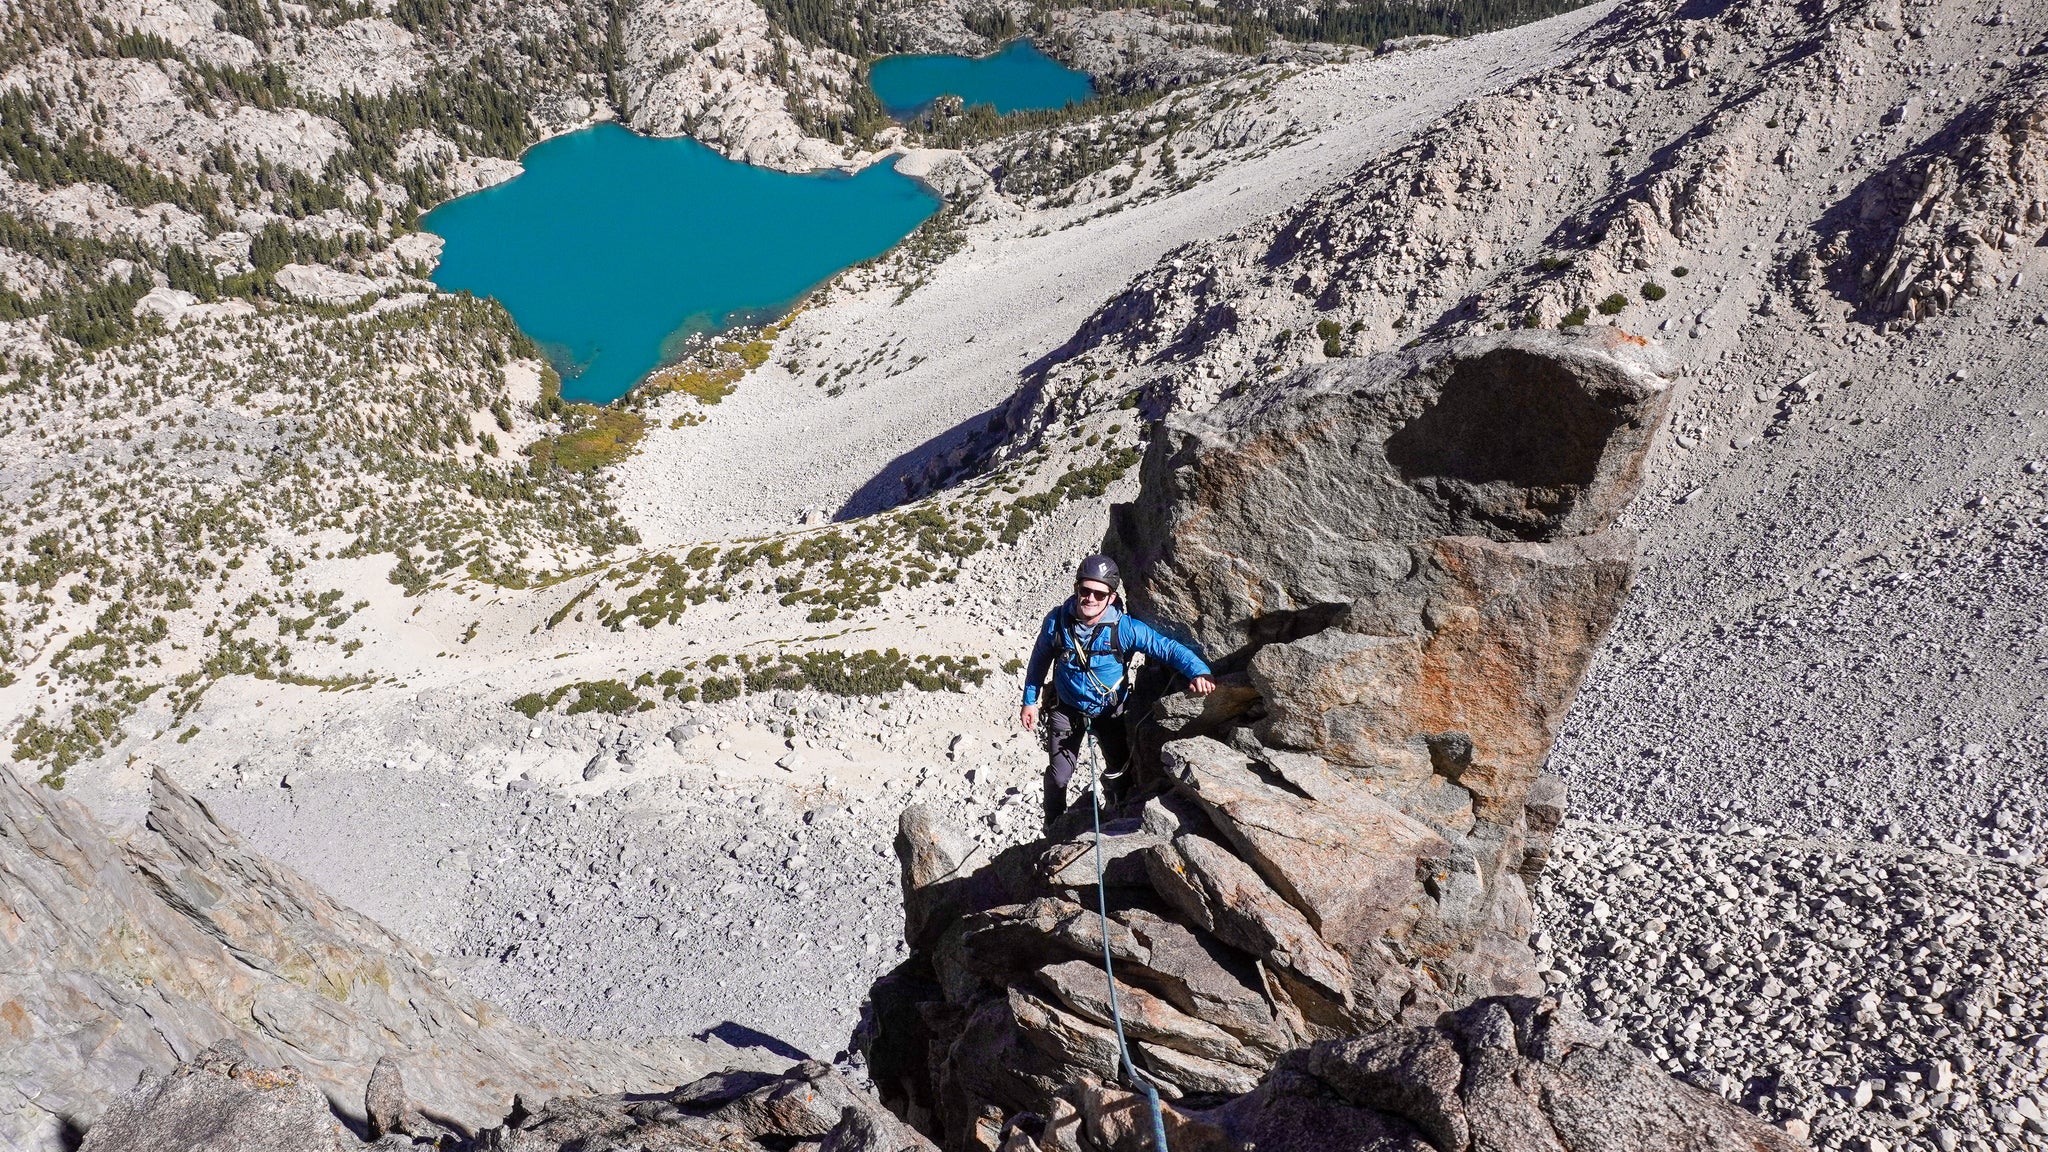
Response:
column 810, row 1107
column 122, row 960
column 1402, row 567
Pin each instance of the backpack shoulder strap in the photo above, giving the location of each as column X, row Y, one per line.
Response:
column 1116, row 638
column 1072, row 646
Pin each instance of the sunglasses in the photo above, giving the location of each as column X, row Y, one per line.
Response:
column 1092, row 594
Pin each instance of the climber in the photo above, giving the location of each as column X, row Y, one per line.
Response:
column 1086, row 644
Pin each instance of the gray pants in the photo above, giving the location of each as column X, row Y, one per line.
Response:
column 1066, row 731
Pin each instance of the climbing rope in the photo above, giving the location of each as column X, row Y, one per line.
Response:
column 1116, row 1014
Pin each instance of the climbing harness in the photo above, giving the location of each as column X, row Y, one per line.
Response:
column 1082, row 656
column 1116, row 1013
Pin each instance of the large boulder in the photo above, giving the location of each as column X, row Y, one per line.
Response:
column 1401, row 568
column 1294, row 504
column 120, row 960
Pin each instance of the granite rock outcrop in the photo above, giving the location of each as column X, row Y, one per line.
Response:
column 1401, row 568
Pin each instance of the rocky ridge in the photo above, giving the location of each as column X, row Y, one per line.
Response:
column 128, row 958
column 1316, row 947
column 1652, row 149
column 1346, row 828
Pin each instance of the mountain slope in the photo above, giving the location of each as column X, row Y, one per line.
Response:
column 1836, row 221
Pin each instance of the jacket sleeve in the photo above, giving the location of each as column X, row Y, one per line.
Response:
column 1041, row 661
column 1159, row 646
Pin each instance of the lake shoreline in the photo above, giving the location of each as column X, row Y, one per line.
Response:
column 610, row 243
column 506, row 264
column 1018, row 76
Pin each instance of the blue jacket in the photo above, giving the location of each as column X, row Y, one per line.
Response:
column 1096, row 684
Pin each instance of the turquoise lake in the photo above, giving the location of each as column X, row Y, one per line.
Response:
column 1018, row 78
column 611, row 247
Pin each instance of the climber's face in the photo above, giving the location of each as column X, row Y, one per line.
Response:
column 1090, row 598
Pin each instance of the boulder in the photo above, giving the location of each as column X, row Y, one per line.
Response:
column 1207, row 980
column 1081, row 988
column 1071, row 865
column 1183, row 1074
column 937, row 883
column 1006, row 942
column 1462, row 669
column 1273, row 511
column 166, row 304
column 1346, row 863
column 1074, row 1044
column 384, row 1105
column 869, row 1129
column 808, row 1101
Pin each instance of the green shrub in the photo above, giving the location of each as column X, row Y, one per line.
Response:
column 604, row 436
column 837, row 673
column 1332, row 334
column 407, row 574
column 1613, row 304
column 1653, row 291
column 1681, row 271
column 550, row 403
column 1576, row 318
column 607, row 696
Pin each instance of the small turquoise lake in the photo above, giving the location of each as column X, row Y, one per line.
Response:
column 611, row 247
column 1018, row 78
